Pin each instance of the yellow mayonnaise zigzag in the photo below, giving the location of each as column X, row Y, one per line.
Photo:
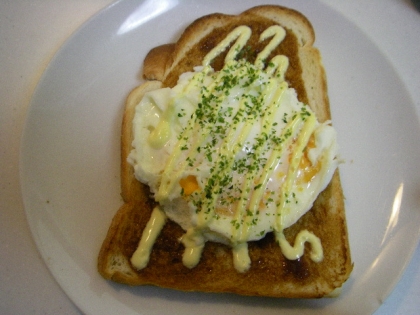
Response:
column 232, row 155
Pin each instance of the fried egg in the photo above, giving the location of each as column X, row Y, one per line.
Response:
column 231, row 155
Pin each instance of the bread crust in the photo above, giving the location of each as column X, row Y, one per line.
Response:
column 156, row 61
column 271, row 274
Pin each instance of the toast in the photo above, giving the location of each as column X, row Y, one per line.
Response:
column 270, row 273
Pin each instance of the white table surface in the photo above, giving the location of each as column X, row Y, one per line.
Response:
column 30, row 34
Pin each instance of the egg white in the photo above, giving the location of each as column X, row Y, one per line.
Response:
column 175, row 107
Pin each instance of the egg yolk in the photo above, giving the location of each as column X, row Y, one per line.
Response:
column 188, row 184
column 307, row 169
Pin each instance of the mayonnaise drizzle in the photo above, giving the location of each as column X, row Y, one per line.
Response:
column 160, row 135
column 194, row 242
column 168, row 176
column 152, row 230
column 241, row 34
column 302, row 141
column 301, row 127
column 241, row 260
column 278, row 34
column 241, row 235
column 278, row 66
column 296, row 251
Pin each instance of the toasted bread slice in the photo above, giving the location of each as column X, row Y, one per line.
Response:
column 270, row 274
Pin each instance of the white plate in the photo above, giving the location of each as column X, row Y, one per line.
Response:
column 70, row 158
